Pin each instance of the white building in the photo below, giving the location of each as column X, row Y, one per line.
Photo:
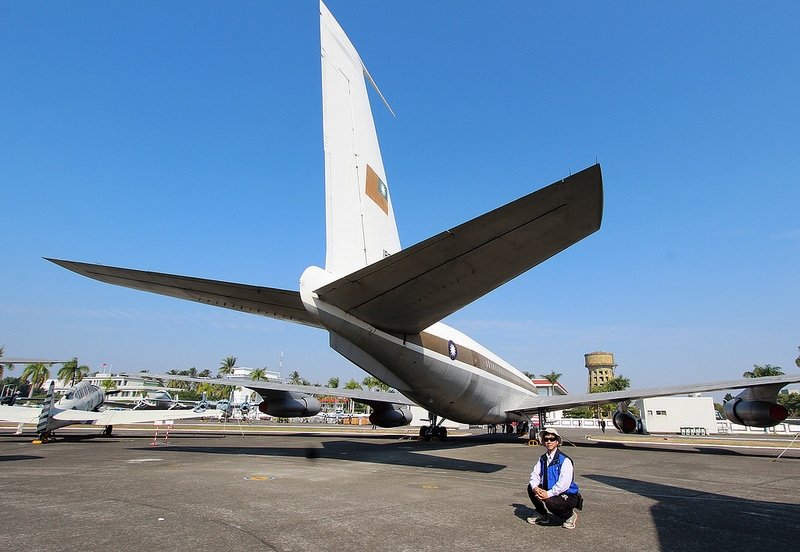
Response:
column 692, row 415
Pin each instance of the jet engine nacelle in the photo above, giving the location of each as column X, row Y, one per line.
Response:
column 755, row 413
column 625, row 422
column 291, row 407
column 391, row 417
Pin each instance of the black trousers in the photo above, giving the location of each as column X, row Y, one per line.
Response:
column 561, row 505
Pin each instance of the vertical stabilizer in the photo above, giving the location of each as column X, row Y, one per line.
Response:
column 360, row 225
column 43, row 427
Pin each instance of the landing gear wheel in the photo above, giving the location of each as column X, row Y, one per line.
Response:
column 439, row 434
column 425, row 433
column 107, row 431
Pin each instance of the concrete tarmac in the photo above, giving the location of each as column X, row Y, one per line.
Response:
column 373, row 491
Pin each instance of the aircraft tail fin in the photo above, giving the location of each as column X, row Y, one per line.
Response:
column 360, row 223
column 43, row 426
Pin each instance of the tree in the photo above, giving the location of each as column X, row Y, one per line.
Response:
column 108, row 384
column 580, row 412
column 763, row 371
column 371, row 382
column 333, row 383
column 180, row 384
column 352, row 384
column 295, row 379
column 37, row 374
column 726, row 398
column 71, row 373
column 530, row 375
column 226, row 366
column 259, row 374
column 619, row 383
column 552, row 377
column 7, row 365
column 790, row 401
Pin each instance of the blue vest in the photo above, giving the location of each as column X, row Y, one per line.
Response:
column 551, row 473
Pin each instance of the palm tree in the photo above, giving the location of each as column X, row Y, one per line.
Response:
column 180, row 384
column 763, row 371
column 37, row 374
column 352, row 384
column 208, row 388
column 333, row 383
column 552, row 377
column 295, row 379
column 259, row 374
column 226, row 366
column 71, row 372
column 6, row 365
column 108, row 384
column 726, row 398
column 371, row 382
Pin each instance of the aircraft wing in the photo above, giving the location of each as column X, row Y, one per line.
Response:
column 24, row 414
column 114, row 417
column 12, row 360
column 533, row 404
column 260, row 385
column 272, row 302
column 418, row 286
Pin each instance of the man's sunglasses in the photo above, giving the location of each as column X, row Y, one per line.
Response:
column 550, row 439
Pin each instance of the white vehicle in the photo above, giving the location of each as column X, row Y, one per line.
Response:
column 383, row 304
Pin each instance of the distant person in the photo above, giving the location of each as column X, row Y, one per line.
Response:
column 552, row 487
column 603, row 426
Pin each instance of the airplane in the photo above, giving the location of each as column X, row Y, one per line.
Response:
column 152, row 399
column 382, row 305
column 79, row 405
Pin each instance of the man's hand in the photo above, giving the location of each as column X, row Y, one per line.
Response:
column 540, row 493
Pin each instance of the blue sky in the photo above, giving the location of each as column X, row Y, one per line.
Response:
column 185, row 137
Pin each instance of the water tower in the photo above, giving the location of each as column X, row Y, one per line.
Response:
column 601, row 368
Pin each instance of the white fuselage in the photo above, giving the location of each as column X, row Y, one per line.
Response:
column 82, row 396
column 441, row 369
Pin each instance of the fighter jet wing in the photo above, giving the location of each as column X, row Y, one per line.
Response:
column 406, row 292
column 115, row 417
column 533, row 404
column 260, row 385
column 272, row 302
column 23, row 414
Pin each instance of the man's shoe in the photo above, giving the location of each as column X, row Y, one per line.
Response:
column 537, row 518
column 571, row 522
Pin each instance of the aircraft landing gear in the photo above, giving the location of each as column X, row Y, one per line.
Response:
column 434, row 433
column 107, row 431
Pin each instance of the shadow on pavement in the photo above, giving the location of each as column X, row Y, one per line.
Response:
column 687, row 519
column 402, row 453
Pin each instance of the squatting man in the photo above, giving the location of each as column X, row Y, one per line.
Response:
column 552, row 488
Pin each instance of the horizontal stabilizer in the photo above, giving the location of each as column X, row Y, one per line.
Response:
column 418, row 286
column 115, row 417
column 20, row 414
column 275, row 303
